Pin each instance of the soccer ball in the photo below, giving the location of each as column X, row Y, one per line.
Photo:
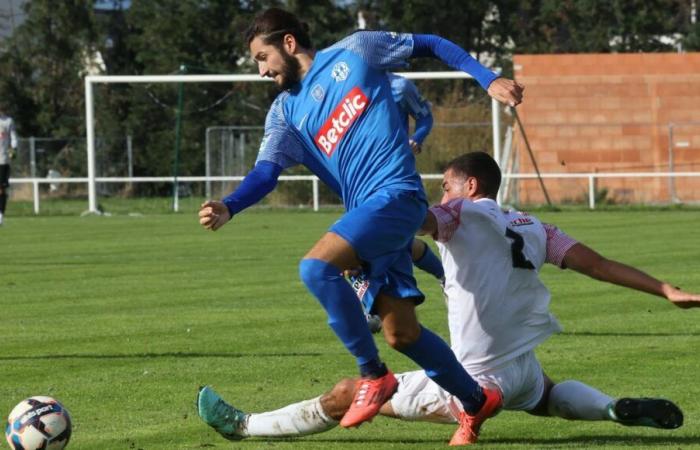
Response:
column 38, row 423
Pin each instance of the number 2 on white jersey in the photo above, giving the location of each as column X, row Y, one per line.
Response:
column 516, row 250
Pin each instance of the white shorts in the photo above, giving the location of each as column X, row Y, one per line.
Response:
column 419, row 398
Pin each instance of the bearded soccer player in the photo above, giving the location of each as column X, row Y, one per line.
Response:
column 336, row 116
column 498, row 313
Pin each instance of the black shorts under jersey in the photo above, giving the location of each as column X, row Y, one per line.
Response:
column 4, row 175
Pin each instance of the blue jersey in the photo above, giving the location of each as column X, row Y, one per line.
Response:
column 341, row 121
column 410, row 103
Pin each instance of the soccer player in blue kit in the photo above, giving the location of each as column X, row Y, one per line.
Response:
column 412, row 104
column 335, row 115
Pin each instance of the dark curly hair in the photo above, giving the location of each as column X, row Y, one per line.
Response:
column 273, row 24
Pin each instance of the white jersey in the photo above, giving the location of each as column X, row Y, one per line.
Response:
column 498, row 308
column 8, row 138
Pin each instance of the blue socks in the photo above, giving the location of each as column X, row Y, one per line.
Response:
column 345, row 315
column 430, row 263
column 440, row 364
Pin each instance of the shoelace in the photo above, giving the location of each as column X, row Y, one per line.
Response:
column 362, row 393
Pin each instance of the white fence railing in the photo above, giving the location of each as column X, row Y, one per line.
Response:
column 35, row 182
column 91, row 80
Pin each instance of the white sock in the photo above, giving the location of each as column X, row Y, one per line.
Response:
column 298, row 419
column 573, row 400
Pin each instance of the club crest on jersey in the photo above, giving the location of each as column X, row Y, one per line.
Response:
column 340, row 71
column 340, row 120
column 317, row 93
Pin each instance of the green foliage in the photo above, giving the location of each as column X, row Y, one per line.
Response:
column 42, row 64
column 41, row 67
column 580, row 26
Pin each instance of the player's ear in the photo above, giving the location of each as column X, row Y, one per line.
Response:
column 471, row 187
column 289, row 43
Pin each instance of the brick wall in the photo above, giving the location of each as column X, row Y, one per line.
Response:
column 610, row 113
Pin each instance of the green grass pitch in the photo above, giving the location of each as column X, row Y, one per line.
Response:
column 122, row 318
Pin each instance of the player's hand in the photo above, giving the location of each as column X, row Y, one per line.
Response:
column 213, row 215
column 415, row 147
column 12, row 153
column 681, row 298
column 506, row 91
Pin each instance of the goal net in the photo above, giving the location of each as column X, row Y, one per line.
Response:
column 204, row 132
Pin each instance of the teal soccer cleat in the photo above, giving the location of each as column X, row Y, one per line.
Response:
column 224, row 418
column 646, row 412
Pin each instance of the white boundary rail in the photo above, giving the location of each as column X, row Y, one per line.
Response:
column 314, row 181
column 91, row 80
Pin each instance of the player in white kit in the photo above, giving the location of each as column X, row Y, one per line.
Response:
column 8, row 144
column 498, row 313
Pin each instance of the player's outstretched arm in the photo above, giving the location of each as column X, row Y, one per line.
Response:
column 504, row 90
column 587, row 261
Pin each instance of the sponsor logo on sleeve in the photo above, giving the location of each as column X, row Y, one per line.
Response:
column 520, row 221
column 340, row 121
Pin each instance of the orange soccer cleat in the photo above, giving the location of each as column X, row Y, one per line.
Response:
column 370, row 395
column 468, row 431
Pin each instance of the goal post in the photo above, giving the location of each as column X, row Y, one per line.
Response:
column 92, row 80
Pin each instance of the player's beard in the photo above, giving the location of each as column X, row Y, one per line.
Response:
column 291, row 71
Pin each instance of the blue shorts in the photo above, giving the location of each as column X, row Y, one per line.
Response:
column 381, row 231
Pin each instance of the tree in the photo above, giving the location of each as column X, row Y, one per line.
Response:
column 42, row 65
column 180, row 36
column 587, row 26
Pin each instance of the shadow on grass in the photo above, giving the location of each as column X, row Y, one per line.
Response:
column 630, row 334
column 582, row 440
column 160, row 355
column 596, row 440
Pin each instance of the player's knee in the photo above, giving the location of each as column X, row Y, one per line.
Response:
column 336, row 402
column 542, row 407
column 312, row 271
column 417, row 249
column 400, row 337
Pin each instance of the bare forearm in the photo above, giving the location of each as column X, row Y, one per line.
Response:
column 585, row 260
column 624, row 275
